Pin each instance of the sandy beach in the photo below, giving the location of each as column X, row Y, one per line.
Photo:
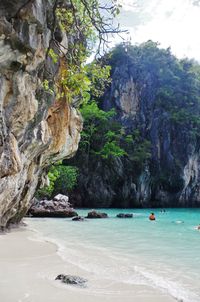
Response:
column 29, row 267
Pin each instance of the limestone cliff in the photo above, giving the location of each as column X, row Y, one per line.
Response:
column 156, row 98
column 35, row 128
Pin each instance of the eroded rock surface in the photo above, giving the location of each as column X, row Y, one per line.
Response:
column 57, row 207
column 35, row 128
column 152, row 112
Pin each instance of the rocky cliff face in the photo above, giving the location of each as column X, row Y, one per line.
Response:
column 149, row 102
column 171, row 176
column 35, row 128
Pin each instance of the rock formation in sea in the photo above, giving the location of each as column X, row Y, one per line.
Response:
column 94, row 214
column 124, row 215
column 36, row 128
column 57, row 207
column 156, row 98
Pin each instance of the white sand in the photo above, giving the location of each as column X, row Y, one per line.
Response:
column 28, row 268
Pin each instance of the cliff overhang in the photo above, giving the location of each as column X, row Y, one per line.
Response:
column 36, row 129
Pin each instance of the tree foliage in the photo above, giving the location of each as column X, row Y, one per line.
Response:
column 169, row 91
column 138, row 148
column 84, row 23
column 101, row 136
column 62, row 179
column 171, row 84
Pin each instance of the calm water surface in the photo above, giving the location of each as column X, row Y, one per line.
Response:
column 164, row 254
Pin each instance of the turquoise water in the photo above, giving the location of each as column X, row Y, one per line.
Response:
column 164, row 254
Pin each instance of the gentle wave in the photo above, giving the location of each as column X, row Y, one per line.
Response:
column 163, row 256
column 137, row 275
column 175, row 289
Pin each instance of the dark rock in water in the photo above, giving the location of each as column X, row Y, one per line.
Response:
column 56, row 214
column 58, row 207
column 94, row 214
column 122, row 215
column 72, row 280
column 78, row 218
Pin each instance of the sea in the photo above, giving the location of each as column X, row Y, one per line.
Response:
column 163, row 254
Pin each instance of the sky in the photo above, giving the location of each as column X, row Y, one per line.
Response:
column 172, row 23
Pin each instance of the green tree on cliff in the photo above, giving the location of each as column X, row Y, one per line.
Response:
column 169, row 96
column 85, row 23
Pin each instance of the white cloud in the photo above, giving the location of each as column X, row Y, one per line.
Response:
column 128, row 5
column 172, row 23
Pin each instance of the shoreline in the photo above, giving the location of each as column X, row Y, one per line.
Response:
column 30, row 264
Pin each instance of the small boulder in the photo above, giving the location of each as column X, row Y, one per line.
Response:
column 124, row 215
column 72, row 280
column 94, row 214
column 78, row 218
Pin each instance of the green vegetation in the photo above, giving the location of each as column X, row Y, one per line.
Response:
column 172, row 84
column 62, row 179
column 138, row 149
column 101, row 136
column 169, row 91
column 66, row 180
column 169, row 88
column 85, row 23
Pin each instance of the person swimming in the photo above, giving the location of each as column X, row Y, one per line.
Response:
column 152, row 217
